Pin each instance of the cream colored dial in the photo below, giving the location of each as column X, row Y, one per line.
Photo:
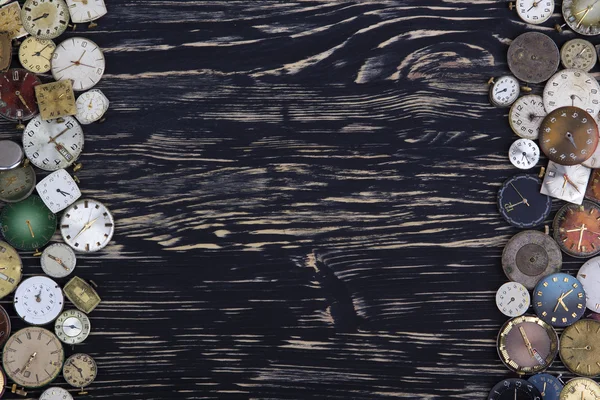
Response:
column 72, row 327
column 58, row 260
column 80, row 370
column 91, row 106
column 79, row 60
column 86, row 10
column 10, row 269
column 525, row 116
column 87, row 225
column 578, row 54
column 10, row 20
column 580, row 388
column 36, row 54
column 45, row 19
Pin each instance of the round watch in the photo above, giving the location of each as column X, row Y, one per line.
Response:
column 533, row 57
column 5, row 326
column 589, row 276
column 28, row 224
column 88, row 68
column 535, row 11
column 547, row 384
column 45, row 19
column 582, row 16
column 578, row 54
column 524, row 154
column 18, row 95
column 511, row 389
column 594, row 160
column 35, row 54
column 527, row 345
column 33, row 357
column 579, row 347
column 576, row 229
column 529, row 256
column 87, row 225
column 512, row 299
column 526, row 115
column 593, row 188
column 559, row 299
column 38, row 300
column 11, row 155
column 575, row 88
column 58, row 260
column 504, row 91
column 72, row 327
column 56, row 393
column 16, row 184
column 91, row 106
column 10, row 276
column 580, row 388
column 520, row 202
column 80, row 370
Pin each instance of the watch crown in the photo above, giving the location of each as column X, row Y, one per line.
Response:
column 16, row 390
column 92, row 25
column 511, row 5
column 77, row 167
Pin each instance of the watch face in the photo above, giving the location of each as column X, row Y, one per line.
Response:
column 58, row 190
column 576, row 229
column 589, row 276
column 504, row 91
column 58, row 260
column 17, row 90
column 559, row 299
column 86, row 11
column 56, row 393
column 10, row 276
column 521, row 203
column 56, row 99
column 579, row 347
column 5, row 326
column 82, row 295
column 16, row 184
column 572, row 87
column 512, row 299
column 72, row 327
column 5, row 51
column 578, row 54
column 87, row 226
column 566, row 182
column 80, row 370
column 524, row 154
column 91, row 106
column 580, row 388
column 533, row 57
column 511, row 389
column 29, row 224
column 535, row 11
column 45, row 19
column 38, row 300
column 10, row 20
column 79, row 60
column 548, row 385
column 526, row 115
column 35, row 54
column 582, row 16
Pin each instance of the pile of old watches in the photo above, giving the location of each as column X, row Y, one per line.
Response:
column 52, row 141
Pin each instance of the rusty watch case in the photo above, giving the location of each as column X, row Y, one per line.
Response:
column 5, row 51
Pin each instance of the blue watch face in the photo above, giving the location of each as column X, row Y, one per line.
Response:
column 548, row 385
column 559, row 299
column 521, row 203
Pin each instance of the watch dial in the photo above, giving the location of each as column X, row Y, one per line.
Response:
column 5, row 326
column 524, row 154
column 548, row 385
column 56, row 99
column 521, row 203
column 58, row 190
column 533, row 57
column 512, row 299
column 579, row 347
column 58, row 260
column 505, row 91
column 559, row 299
column 38, row 300
column 35, row 54
column 593, row 189
column 5, row 51
column 578, row 54
column 511, row 389
column 86, row 11
column 87, row 225
column 91, row 106
column 45, row 19
column 28, row 224
column 526, row 115
column 16, row 184
column 56, row 393
column 572, row 87
column 82, row 295
column 577, row 229
column 10, row 20
column 535, row 11
column 11, row 274
column 566, row 182
column 72, row 327
column 80, row 370
column 589, row 276
column 79, row 60
column 582, row 16
column 580, row 388
column 18, row 95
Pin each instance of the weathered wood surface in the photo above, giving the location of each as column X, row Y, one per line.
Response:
column 305, row 199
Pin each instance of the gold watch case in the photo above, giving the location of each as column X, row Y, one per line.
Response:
column 5, row 51
column 12, row 267
column 82, row 295
column 580, row 346
column 56, row 99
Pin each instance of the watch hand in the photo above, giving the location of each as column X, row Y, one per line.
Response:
column 39, row 53
column 503, row 90
column 581, row 52
column 28, row 363
column 61, row 70
column 82, row 54
column 65, row 194
column 580, row 239
column 534, row 5
column 515, row 394
column 44, row 15
column 58, row 260
column 30, row 228
column 567, row 179
column 85, row 65
column 576, row 230
column 544, row 390
column 53, row 139
column 563, row 304
column 526, row 340
column 85, row 227
column 520, row 195
column 18, row 93
column 584, row 15
column 566, row 294
column 578, row 348
column 570, row 137
column 511, row 300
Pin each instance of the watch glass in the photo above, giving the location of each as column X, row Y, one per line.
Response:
column 28, row 224
column 17, row 93
column 16, row 184
column 582, row 16
column 80, row 370
column 87, row 226
column 45, row 19
column 87, row 11
column 521, row 203
column 575, row 88
column 72, row 327
column 578, row 54
column 589, row 276
column 535, row 11
column 575, row 229
column 35, row 54
column 505, row 91
column 79, row 60
column 91, row 106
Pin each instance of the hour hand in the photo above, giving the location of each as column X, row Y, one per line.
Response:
column 526, row 340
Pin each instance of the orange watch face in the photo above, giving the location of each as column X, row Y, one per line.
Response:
column 577, row 229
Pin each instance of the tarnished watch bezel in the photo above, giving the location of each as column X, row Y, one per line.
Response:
column 26, row 193
column 66, row 363
column 566, row 332
column 588, row 30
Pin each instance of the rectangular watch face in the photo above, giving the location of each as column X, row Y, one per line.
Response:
column 5, row 51
column 82, row 295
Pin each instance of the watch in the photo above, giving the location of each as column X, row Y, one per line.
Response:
column 5, row 326
column 527, row 345
column 512, row 299
column 87, row 11
column 524, row 154
column 547, row 384
column 87, row 226
column 589, row 276
column 529, row 256
column 566, row 182
column 526, row 115
column 91, row 106
column 535, row 11
column 520, row 202
column 568, row 135
column 80, row 370
column 582, row 16
column 575, row 88
column 53, row 144
column 559, row 299
column 578, row 54
column 58, row 190
column 5, row 51
column 38, row 300
column 11, row 275
column 45, row 19
column 578, row 388
column 33, row 357
column 511, row 389
column 576, row 229
column 56, row 393
column 72, row 327
column 58, row 260
column 16, row 184
column 82, row 295
column 27, row 224
column 579, row 347
column 504, row 91
column 10, row 20
column 533, row 57
column 56, row 99
column 35, row 54
column 11, row 155
column 79, row 60
column 18, row 95
column 593, row 188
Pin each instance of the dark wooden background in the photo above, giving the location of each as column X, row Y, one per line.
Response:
column 305, row 199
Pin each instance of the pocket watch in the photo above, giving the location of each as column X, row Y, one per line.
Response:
column 11, row 270
column 58, row 190
column 80, row 370
column 526, row 115
column 5, row 326
column 11, row 155
column 33, row 357
column 577, row 229
column 504, row 91
column 580, row 388
column 82, row 295
column 589, row 276
column 533, row 57
column 566, row 182
column 578, row 54
column 91, row 106
column 512, row 299
column 547, row 384
column 87, row 11
column 535, row 11
column 10, row 20
column 35, row 54
column 5, row 51
column 529, row 256
column 527, row 345
column 575, row 88
column 568, row 135
column 53, row 144
column 583, row 16
column 579, row 347
column 524, row 153
column 56, row 99
column 87, row 226
column 72, row 327
column 18, row 95
column 38, row 300
column 559, row 299
column 16, row 184
column 28, row 224
column 45, row 19
column 58, row 260
column 56, row 393
column 520, row 202
column 511, row 389
column 79, row 60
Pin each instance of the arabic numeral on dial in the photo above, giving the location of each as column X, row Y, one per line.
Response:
column 589, row 141
column 573, row 156
column 562, row 157
column 553, row 150
column 584, row 152
column 35, row 155
column 547, row 9
column 551, row 93
column 575, row 115
column 589, row 131
column 506, row 383
column 584, row 120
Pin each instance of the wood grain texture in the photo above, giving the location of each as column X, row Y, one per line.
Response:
column 305, row 199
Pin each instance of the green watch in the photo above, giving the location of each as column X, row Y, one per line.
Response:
column 28, row 224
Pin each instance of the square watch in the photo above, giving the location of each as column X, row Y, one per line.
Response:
column 56, row 99
column 566, row 182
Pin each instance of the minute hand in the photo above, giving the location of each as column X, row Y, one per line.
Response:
column 86, row 227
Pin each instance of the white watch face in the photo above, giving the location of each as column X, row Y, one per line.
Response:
column 513, row 299
column 572, row 87
column 535, row 11
column 72, row 327
column 91, row 106
column 87, row 226
column 52, row 145
column 58, row 260
column 56, row 393
column 526, row 115
column 58, row 190
column 524, row 154
column 45, row 19
column 38, row 300
column 594, row 160
column 79, row 60
column 505, row 91
column 578, row 54
column 566, row 182
column 86, row 11
column 589, row 276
